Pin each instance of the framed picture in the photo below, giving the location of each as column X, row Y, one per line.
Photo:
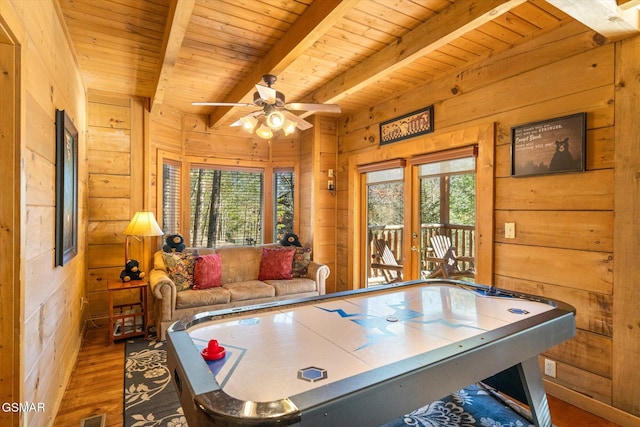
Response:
column 66, row 188
column 550, row 146
column 407, row 126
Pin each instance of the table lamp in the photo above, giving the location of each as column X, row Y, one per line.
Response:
column 143, row 224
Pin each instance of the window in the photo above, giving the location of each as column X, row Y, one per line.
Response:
column 447, row 192
column 220, row 204
column 170, row 197
column 283, row 203
column 226, row 207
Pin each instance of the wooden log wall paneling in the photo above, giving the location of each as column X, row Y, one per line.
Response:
column 306, row 232
column 626, row 316
column 45, row 320
column 324, row 202
column 10, row 217
column 564, row 244
column 115, row 153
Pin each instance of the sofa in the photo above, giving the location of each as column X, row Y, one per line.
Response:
column 205, row 279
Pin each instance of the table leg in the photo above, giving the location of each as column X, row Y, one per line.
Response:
column 531, row 378
column 110, row 318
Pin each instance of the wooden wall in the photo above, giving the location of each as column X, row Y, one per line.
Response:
column 46, row 299
column 116, row 192
column 564, row 244
column 318, row 154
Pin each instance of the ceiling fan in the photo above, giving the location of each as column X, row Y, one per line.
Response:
column 275, row 113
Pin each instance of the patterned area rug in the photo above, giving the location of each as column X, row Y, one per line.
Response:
column 476, row 405
column 149, row 395
column 150, row 399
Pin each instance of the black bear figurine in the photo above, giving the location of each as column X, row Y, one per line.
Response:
column 131, row 271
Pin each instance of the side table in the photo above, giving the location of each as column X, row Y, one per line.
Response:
column 131, row 319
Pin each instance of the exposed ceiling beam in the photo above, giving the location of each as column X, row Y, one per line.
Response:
column 319, row 17
column 177, row 21
column 602, row 16
column 457, row 20
column 628, row 4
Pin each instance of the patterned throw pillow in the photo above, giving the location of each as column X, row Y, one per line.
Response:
column 207, row 272
column 276, row 263
column 180, row 268
column 301, row 260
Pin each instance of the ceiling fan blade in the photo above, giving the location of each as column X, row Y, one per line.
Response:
column 323, row 108
column 300, row 123
column 267, row 94
column 222, row 104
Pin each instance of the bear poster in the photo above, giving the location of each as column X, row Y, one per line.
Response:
column 550, row 146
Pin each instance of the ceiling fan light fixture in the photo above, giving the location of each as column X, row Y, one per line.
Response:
column 249, row 123
column 275, row 120
column 264, row 132
column 289, row 127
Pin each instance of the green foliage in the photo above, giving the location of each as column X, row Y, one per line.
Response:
column 385, row 204
column 430, row 200
column 226, row 206
column 462, row 204
column 284, row 189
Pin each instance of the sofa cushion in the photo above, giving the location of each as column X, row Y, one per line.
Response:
column 179, row 265
column 276, row 263
column 252, row 289
column 292, row 286
column 198, row 298
column 301, row 260
column 239, row 263
column 207, row 272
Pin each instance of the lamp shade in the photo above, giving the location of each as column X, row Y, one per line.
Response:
column 143, row 224
column 249, row 123
column 264, row 132
column 288, row 127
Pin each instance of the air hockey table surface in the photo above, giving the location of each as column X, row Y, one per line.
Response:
column 361, row 357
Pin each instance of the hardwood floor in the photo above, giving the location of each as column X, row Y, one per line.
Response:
column 97, row 385
column 97, row 382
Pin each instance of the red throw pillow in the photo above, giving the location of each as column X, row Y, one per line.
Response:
column 207, row 272
column 276, row 263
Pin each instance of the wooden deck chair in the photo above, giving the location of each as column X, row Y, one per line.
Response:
column 386, row 261
column 448, row 259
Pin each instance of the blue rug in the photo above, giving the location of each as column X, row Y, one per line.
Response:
column 150, row 398
column 476, row 405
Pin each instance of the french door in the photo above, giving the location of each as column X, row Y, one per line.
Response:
column 444, row 203
column 405, row 203
column 385, row 223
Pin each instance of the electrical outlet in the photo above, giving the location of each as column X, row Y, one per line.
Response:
column 550, row 368
column 509, row 230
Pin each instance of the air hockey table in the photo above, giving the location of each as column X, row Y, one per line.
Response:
column 360, row 358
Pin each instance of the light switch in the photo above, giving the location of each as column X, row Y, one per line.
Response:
column 509, row 230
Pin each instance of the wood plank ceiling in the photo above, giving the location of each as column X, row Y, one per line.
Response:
column 356, row 53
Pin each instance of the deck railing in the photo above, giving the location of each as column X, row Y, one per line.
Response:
column 462, row 238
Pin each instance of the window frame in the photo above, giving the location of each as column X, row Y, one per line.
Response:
column 268, row 170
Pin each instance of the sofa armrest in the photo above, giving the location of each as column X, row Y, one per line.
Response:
column 164, row 290
column 319, row 272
